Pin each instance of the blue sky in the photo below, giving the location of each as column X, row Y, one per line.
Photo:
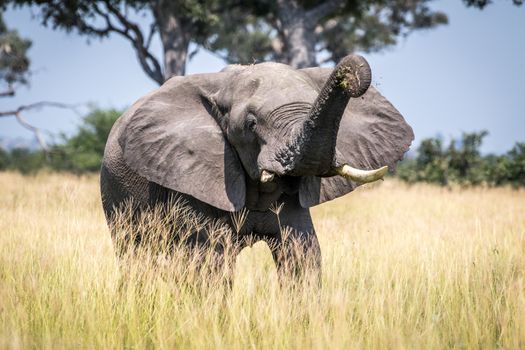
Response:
column 466, row 76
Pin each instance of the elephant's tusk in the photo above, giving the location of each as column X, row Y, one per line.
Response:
column 266, row 176
column 362, row 176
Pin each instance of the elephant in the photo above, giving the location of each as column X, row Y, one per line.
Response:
column 255, row 137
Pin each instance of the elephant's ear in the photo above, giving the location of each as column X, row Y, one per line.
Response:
column 172, row 138
column 372, row 134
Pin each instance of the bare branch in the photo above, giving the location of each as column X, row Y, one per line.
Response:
column 17, row 113
column 152, row 31
column 132, row 32
column 193, row 53
column 34, row 130
column 38, row 105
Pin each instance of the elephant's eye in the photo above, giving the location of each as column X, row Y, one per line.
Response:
column 251, row 122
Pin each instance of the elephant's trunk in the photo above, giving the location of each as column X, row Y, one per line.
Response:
column 313, row 151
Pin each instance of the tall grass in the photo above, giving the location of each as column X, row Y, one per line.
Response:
column 403, row 267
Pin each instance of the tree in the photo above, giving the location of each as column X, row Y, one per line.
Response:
column 83, row 151
column 464, row 159
column 431, row 162
column 495, row 169
column 4, row 159
column 177, row 23
column 14, row 63
column 429, row 165
column 14, row 69
column 288, row 31
column 516, row 165
column 296, row 32
column 26, row 161
column 463, row 164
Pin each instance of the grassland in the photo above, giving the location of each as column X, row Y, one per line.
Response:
column 403, row 267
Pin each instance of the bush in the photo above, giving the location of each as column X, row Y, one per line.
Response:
column 516, row 165
column 26, row 161
column 80, row 153
column 4, row 159
column 462, row 163
column 84, row 151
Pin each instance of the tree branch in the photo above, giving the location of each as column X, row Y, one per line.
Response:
column 34, row 130
column 148, row 62
column 17, row 113
column 38, row 105
column 152, row 31
column 131, row 32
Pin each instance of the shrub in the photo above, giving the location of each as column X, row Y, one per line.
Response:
column 462, row 163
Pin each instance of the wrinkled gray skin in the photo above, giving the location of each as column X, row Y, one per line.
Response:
column 208, row 137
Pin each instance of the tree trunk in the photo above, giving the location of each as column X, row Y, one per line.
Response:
column 298, row 35
column 175, row 38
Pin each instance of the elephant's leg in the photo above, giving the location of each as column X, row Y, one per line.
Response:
column 213, row 263
column 125, row 196
column 204, row 232
column 294, row 246
column 297, row 255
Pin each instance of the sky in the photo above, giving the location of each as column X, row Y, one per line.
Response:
column 466, row 76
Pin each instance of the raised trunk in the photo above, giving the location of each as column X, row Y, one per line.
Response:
column 175, row 38
column 313, row 152
column 298, row 35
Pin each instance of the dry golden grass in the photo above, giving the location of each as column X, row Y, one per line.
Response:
column 403, row 267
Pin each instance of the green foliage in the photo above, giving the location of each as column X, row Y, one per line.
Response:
column 244, row 31
column 465, row 161
column 80, row 15
column 242, row 39
column 14, row 63
column 23, row 160
column 462, row 163
column 4, row 159
column 253, row 31
column 83, row 151
column 372, row 26
column 430, row 164
column 516, row 165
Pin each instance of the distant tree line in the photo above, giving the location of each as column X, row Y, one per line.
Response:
column 462, row 163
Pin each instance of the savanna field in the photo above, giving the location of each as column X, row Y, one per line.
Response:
column 415, row 267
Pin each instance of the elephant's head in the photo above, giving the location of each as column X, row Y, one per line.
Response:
column 245, row 135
